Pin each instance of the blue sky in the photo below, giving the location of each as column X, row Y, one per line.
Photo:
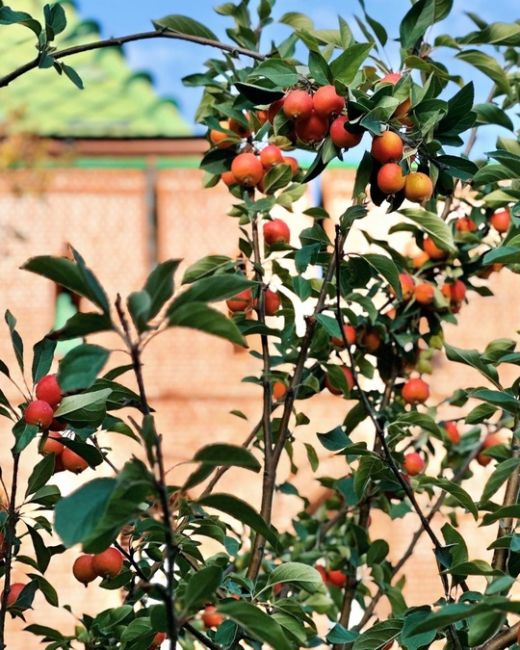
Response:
column 169, row 61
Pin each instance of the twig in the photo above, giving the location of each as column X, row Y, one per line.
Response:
column 121, row 40
column 201, row 637
column 10, row 534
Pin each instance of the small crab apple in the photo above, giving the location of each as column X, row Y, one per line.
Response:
column 14, row 593
column 350, row 336
column 83, row 569
column 220, row 139
column 239, row 128
column 108, row 563
column 413, row 463
column 340, row 136
column 52, row 444
column 455, row 291
column 262, row 117
column 72, row 461
column 407, row 285
column 228, row 178
column 390, row 178
column 48, row 390
column 415, row 391
column 336, row 390
column 40, row 413
column 391, row 78
column 337, row 578
column 323, row 572
column 293, row 164
column 274, row 109
column 279, row 390
column 298, row 104
column 272, row 302
column 420, row 259
column 276, row 231
column 371, row 340
column 492, row 440
column 247, row 169
column 311, row 129
column 424, row 293
column 432, row 250
column 243, row 301
column 158, row 639
column 465, row 224
column 500, row 220
column 452, row 431
column 387, row 147
column 327, row 102
column 210, row 617
column 271, row 156
column 418, row 187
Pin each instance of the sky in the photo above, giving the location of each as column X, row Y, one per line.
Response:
column 168, row 61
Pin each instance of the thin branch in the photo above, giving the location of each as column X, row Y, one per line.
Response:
column 503, row 640
column 201, row 637
column 121, row 40
column 10, row 534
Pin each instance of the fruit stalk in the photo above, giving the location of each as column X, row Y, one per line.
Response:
column 9, row 540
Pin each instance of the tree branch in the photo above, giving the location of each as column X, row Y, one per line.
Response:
column 121, row 40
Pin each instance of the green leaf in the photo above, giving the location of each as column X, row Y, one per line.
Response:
column 502, row 254
column 502, row 472
column 184, row 25
column 363, row 174
column 319, row 68
column 10, row 17
column 212, row 289
column 243, row 512
column 24, row 434
column 43, row 355
column 42, row 553
column 159, row 285
column 421, row 16
column 87, row 407
column 496, row 398
column 298, row 574
column 490, row 113
column 339, row 634
column 472, row 358
column 258, row 95
column 207, row 266
column 488, row 66
column 139, row 304
column 201, row 586
column 483, row 627
column 256, row 622
column 225, row 455
column 433, row 225
column 348, row 63
column 199, row 316
column 386, row 267
column 280, row 72
column 335, row 440
column 82, row 324
column 459, row 167
column 41, row 474
column 456, row 491
column 16, row 339
column 80, row 367
column 378, row 635
column 72, row 75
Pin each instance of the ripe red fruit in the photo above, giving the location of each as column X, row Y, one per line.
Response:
column 73, row 461
column 52, row 445
column 390, row 178
column 274, row 109
column 500, row 220
column 420, row 259
column 247, row 169
column 40, row 413
column 272, row 302
column 298, row 104
column 454, row 291
column 293, row 164
column 327, row 102
column 159, row 638
column 210, row 617
column 58, row 464
column 277, row 588
column 83, row 569
column 238, row 128
column 387, row 147
column 407, row 285
column 415, row 391
column 243, row 301
column 490, row 441
column 413, row 463
column 262, row 117
column 14, row 593
column 424, row 293
column 279, row 390
column 276, row 232
column 271, row 156
column 220, row 139
column 465, row 224
column 48, row 390
column 311, row 129
column 323, row 572
column 228, row 178
column 350, row 335
column 108, row 563
column 418, row 187
column 335, row 390
column 371, row 340
column 452, row 431
column 432, row 250
column 340, row 136
column 337, row 578
column 391, row 78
